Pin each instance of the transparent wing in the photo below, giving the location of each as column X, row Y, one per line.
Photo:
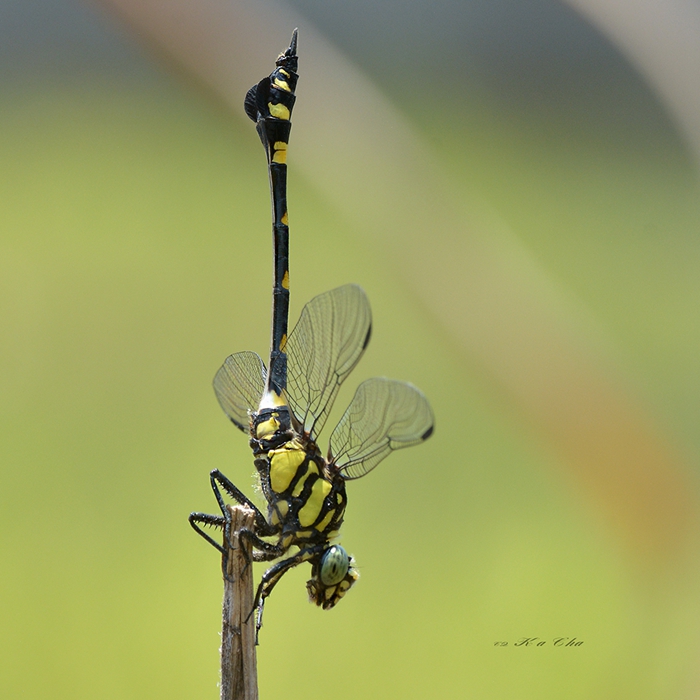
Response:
column 325, row 345
column 239, row 385
column 384, row 415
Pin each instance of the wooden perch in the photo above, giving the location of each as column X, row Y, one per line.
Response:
column 239, row 675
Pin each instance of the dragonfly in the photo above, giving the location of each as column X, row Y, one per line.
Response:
column 283, row 407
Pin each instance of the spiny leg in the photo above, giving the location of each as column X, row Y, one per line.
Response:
column 216, row 478
column 223, row 522
column 266, row 551
column 271, row 577
column 206, row 519
column 262, row 551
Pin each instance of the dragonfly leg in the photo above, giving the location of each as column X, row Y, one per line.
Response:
column 221, row 521
column 271, row 577
column 262, row 551
column 197, row 519
column 266, row 551
column 218, row 479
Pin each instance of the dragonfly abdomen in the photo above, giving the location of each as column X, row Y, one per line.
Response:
column 269, row 104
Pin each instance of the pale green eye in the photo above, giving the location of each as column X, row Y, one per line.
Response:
column 334, row 565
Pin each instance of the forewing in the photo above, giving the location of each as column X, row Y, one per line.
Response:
column 324, row 346
column 383, row 416
column 239, row 385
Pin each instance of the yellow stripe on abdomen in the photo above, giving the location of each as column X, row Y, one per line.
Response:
column 279, row 149
column 278, row 110
column 281, row 84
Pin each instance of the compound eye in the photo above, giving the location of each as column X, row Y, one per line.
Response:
column 334, row 565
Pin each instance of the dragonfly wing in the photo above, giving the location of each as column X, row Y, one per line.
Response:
column 327, row 342
column 239, row 385
column 383, row 416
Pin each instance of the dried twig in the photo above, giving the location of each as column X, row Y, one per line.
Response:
column 239, row 676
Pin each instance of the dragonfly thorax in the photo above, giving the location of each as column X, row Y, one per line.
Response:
column 305, row 495
column 270, row 428
column 306, row 500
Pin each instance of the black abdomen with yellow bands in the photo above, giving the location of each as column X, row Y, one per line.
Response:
column 269, row 104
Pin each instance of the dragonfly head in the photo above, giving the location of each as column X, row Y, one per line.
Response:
column 332, row 576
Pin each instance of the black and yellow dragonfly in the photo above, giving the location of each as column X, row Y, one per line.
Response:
column 283, row 408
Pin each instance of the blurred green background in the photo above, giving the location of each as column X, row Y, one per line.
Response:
column 532, row 267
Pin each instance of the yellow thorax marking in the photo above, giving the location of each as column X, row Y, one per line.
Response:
column 311, row 509
column 267, row 428
column 285, row 221
column 324, row 523
column 311, row 469
column 278, row 110
column 284, row 464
